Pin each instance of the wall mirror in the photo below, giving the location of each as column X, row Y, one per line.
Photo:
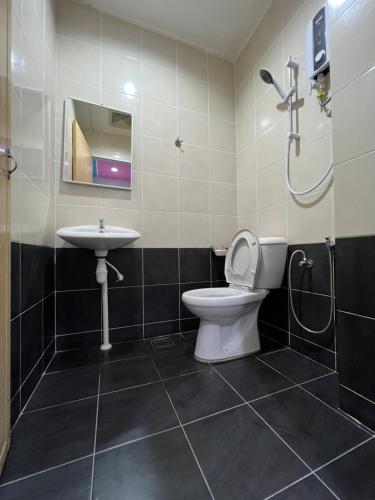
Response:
column 97, row 145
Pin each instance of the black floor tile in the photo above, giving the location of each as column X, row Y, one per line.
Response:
column 241, row 457
column 51, row 437
column 133, row 413
column 127, row 373
column 124, row 350
column 56, row 388
column 317, row 433
column 326, row 389
column 69, row 482
column 308, row 489
column 295, row 366
column 252, row 378
column 160, row 467
column 66, row 360
column 352, row 476
column 178, row 362
column 200, row 394
column 167, row 343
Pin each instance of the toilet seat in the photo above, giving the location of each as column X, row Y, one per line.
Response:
column 242, row 262
column 222, row 297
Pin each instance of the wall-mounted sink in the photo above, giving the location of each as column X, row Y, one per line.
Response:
column 100, row 239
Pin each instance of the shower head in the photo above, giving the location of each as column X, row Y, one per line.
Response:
column 268, row 78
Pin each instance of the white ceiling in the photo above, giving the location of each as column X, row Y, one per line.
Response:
column 219, row 26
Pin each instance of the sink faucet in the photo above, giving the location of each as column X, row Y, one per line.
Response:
column 101, row 223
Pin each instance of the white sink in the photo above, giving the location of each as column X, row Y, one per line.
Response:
column 99, row 239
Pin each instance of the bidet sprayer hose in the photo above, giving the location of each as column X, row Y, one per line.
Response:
column 330, row 246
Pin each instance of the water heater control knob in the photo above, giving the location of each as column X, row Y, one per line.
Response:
column 320, row 56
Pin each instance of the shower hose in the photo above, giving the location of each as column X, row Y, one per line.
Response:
column 331, row 286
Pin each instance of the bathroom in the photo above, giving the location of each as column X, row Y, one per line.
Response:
column 187, row 234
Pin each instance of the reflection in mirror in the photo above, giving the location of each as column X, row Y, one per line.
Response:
column 97, row 145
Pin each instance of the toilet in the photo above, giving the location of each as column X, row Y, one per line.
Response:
column 228, row 326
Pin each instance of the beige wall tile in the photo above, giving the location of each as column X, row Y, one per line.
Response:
column 245, row 98
column 353, row 120
column 160, row 229
column 222, row 135
column 353, row 39
column 194, row 162
column 221, row 104
column 191, row 62
column 310, row 218
column 193, row 128
column 268, row 111
column 192, row 94
column 270, row 146
column 247, row 195
column 121, row 37
column 220, row 72
column 273, row 221
column 354, row 197
column 125, row 102
column 121, row 74
column 79, row 22
column 224, row 228
column 271, row 186
column 160, row 192
column 244, row 64
column 159, row 84
column 76, row 90
column 193, row 196
column 159, row 156
column 159, row 120
column 194, row 230
column 248, row 221
column 159, row 50
column 77, row 60
column 246, row 163
column 223, row 199
column 268, row 29
column 272, row 60
column 223, row 167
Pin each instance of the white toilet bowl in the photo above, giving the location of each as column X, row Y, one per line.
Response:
column 228, row 326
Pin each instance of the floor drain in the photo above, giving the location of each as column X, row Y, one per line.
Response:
column 161, row 343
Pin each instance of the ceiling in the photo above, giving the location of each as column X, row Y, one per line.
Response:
column 219, row 26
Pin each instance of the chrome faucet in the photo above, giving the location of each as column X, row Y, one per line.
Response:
column 101, row 223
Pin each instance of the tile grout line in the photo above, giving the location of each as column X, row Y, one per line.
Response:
column 95, row 435
column 315, row 397
column 183, row 430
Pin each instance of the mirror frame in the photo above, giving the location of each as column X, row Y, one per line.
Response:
column 64, row 140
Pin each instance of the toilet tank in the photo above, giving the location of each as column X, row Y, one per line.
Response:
column 271, row 272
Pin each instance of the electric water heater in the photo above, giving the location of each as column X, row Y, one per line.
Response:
column 317, row 46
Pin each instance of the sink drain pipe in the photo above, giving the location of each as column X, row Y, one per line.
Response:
column 102, row 278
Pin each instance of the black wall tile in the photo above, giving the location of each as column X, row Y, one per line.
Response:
column 125, row 306
column 15, row 360
column 323, row 356
column 189, row 325
column 78, row 311
column 159, row 329
column 217, row 267
column 31, row 382
column 15, row 408
column 31, row 339
column 161, row 303
column 160, row 266
column 274, row 308
column 129, row 263
column 75, row 269
column 48, row 271
column 360, row 408
column 356, row 353
column 31, row 275
column 315, row 279
column 194, row 264
column 126, row 333
column 312, row 311
column 78, row 340
column 355, row 271
column 15, row 279
column 274, row 333
column 48, row 320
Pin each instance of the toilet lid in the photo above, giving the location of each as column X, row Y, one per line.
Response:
column 243, row 259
